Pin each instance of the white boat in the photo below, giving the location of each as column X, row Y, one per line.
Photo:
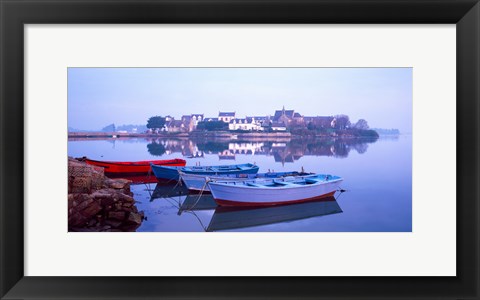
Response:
column 263, row 192
column 198, row 182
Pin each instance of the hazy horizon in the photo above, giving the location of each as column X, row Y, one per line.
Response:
column 101, row 96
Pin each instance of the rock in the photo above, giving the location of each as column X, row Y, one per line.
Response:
column 106, row 196
column 106, row 227
column 82, row 229
column 91, row 223
column 118, row 183
column 91, row 210
column 130, row 228
column 134, row 218
column 128, row 204
column 117, row 215
column 97, row 203
column 113, row 223
column 76, row 219
column 117, row 206
column 80, row 197
column 83, row 202
column 126, row 198
column 70, row 201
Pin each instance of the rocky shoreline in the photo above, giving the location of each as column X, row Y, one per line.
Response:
column 97, row 203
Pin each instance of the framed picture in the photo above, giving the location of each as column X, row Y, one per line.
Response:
column 305, row 95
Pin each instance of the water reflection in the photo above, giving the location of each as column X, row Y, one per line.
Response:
column 383, row 171
column 168, row 190
column 195, row 202
column 227, row 218
column 282, row 151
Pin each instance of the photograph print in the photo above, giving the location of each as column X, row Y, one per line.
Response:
column 239, row 149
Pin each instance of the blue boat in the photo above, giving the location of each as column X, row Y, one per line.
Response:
column 172, row 173
column 196, row 182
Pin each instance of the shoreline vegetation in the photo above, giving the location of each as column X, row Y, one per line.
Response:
column 298, row 134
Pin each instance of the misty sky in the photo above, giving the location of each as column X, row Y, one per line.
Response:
column 101, row 96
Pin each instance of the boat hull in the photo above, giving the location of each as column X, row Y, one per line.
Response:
column 165, row 173
column 132, row 168
column 172, row 173
column 198, row 183
column 241, row 195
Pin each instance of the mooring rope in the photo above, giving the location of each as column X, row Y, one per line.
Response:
column 207, row 180
column 147, row 186
column 198, row 218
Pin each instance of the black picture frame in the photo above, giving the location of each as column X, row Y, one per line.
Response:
column 15, row 13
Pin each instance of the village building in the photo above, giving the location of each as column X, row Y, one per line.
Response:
column 287, row 117
column 320, row 122
column 169, row 118
column 196, row 118
column 276, row 126
column 247, row 123
column 175, row 126
column 226, row 116
column 188, row 122
column 261, row 120
column 211, row 120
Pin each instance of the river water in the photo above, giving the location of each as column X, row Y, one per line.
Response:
column 377, row 182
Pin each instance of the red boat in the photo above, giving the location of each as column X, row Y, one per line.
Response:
column 135, row 167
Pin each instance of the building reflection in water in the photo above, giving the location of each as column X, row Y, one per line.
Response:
column 281, row 151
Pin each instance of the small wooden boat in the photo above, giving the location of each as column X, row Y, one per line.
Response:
column 226, row 218
column 172, row 173
column 262, row 192
column 197, row 182
column 119, row 168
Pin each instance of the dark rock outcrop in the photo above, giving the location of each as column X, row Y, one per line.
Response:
column 98, row 203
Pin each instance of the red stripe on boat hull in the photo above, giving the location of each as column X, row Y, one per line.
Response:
column 325, row 197
column 137, row 168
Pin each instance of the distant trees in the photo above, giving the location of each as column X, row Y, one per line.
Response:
column 361, row 124
column 155, row 122
column 109, row 128
column 342, row 122
column 212, row 125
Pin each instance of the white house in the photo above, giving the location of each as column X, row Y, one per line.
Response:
column 226, row 116
column 245, row 124
column 196, row 118
column 279, row 126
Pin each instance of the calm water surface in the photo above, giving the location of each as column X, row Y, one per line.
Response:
column 377, row 179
